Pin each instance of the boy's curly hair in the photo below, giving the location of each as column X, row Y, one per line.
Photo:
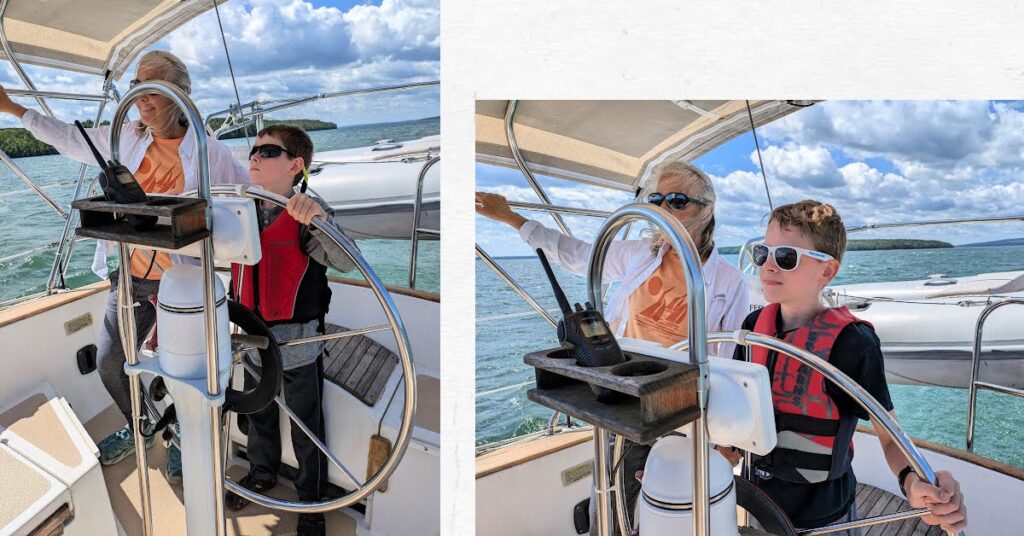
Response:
column 819, row 221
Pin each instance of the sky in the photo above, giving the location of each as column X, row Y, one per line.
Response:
column 875, row 161
column 290, row 48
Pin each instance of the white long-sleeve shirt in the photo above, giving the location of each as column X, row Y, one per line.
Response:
column 631, row 262
column 224, row 168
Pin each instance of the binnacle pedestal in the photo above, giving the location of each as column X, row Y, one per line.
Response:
column 653, row 397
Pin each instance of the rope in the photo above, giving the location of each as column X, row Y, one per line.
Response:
column 12, row 193
column 506, row 388
column 962, row 303
column 231, row 70
column 27, row 253
column 511, row 315
column 760, row 162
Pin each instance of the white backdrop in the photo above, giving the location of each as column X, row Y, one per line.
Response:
column 548, row 49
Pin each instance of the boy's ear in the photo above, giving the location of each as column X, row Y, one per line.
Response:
column 298, row 163
column 831, row 269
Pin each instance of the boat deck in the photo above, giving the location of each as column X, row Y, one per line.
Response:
column 872, row 502
column 168, row 503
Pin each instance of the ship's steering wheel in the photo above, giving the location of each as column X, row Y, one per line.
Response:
column 878, row 414
column 361, row 489
column 249, row 327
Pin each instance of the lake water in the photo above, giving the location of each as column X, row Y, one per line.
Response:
column 31, row 228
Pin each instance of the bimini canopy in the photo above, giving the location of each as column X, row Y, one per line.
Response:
column 91, row 36
column 614, row 143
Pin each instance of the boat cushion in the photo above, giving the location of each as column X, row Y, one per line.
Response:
column 28, row 495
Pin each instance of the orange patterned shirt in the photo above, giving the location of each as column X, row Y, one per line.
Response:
column 159, row 173
column 657, row 308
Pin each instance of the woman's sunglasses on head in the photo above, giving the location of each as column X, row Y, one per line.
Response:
column 135, row 81
column 269, row 150
column 674, row 200
column 787, row 258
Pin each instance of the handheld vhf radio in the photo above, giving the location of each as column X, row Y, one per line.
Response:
column 584, row 333
column 119, row 185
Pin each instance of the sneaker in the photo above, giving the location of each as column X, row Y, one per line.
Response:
column 311, row 525
column 119, row 445
column 235, row 503
column 172, row 470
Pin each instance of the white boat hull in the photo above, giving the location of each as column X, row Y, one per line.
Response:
column 927, row 330
column 374, row 199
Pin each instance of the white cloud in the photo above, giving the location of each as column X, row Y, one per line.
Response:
column 937, row 132
column 396, row 29
column 803, row 165
column 291, row 49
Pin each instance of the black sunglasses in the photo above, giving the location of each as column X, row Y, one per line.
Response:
column 269, row 150
column 675, row 200
column 135, row 81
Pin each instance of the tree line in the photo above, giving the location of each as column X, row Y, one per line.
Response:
column 18, row 143
column 308, row 125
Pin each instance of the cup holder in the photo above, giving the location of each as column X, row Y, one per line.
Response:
column 561, row 353
column 639, row 368
column 163, row 202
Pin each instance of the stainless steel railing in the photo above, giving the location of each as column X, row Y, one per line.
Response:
column 972, row 396
column 416, row 229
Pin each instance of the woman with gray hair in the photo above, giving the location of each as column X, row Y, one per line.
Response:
column 159, row 150
column 650, row 302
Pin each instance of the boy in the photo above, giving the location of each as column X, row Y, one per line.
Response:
column 288, row 290
column 809, row 473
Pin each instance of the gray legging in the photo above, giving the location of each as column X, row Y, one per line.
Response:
column 109, row 349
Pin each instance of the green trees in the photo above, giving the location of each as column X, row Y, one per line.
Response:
column 308, row 125
column 18, row 143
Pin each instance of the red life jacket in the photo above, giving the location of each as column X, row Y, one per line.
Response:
column 815, row 442
column 286, row 286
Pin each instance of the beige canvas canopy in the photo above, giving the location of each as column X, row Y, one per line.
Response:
column 614, row 143
column 91, row 36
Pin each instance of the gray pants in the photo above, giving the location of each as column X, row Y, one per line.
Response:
column 109, row 348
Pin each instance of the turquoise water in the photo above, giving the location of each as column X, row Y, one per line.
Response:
column 29, row 225
column 934, row 413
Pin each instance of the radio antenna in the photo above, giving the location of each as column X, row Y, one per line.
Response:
column 563, row 303
column 95, row 153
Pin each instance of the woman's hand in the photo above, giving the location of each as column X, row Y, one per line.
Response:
column 303, row 208
column 10, row 107
column 945, row 500
column 495, row 207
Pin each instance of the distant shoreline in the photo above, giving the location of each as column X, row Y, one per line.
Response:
column 18, row 143
column 309, row 125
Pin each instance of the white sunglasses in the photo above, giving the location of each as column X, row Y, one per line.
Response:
column 787, row 258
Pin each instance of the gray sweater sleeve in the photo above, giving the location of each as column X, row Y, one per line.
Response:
column 322, row 249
